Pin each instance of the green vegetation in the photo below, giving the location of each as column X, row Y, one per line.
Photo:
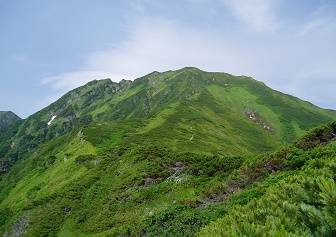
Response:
column 180, row 153
column 73, row 187
column 7, row 118
column 300, row 205
column 229, row 112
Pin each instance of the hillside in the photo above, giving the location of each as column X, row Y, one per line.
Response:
column 297, row 202
column 82, row 185
column 221, row 112
column 176, row 153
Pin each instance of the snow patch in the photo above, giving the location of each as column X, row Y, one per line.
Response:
column 52, row 118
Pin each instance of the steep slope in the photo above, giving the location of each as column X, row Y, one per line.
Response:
column 191, row 125
column 9, row 124
column 86, row 183
column 72, row 110
column 181, row 105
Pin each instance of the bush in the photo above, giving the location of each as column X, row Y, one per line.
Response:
column 178, row 221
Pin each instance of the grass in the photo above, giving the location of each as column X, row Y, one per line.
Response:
column 105, row 101
column 108, row 178
column 111, row 198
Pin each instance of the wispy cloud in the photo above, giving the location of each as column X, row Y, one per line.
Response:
column 282, row 60
column 289, row 45
column 324, row 70
column 321, row 21
column 259, row 15
column 19, row 57
column 313, row 25
column 157, row 44
column 67, row 81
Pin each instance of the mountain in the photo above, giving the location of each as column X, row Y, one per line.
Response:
column 221, row 112
column 7, row 118
column 162, row 155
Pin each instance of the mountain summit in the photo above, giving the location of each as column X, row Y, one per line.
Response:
column 207, row 112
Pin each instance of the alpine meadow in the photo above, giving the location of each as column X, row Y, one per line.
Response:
column 175, row 153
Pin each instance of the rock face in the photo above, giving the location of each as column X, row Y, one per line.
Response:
column 4, row 168
column 18, row 228
column 7, row 117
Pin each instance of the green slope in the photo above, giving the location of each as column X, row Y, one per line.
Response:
column 166, row 153
column 210, row 106
column 299, row 203
column 87, row 183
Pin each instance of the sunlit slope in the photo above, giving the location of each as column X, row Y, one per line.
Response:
column 214, row 103
column 298, row 199
column 102, row 180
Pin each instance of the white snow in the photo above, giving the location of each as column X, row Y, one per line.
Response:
column 52, row 118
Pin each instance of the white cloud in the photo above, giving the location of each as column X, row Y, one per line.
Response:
column 156, row 44
column 312, row 25
column 65, row 82
column 257, row 14
column 137, row 6
column 283, row 61
column 71, row 80
column 160, row 44
column 321, row 21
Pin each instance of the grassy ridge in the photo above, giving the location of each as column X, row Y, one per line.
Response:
column 280, row 116
column 163, row 155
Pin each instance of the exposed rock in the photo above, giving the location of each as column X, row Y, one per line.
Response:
column 80, row 133
column 178, row 163
column 7, row 117
column 149, row 181
column 178, row 169
column 147, row 106
column 4, row 167
column 18, row 228
column 96, row 161
column 66, row 211
column 125, row 199
column 204, row 203
column 69, row 118
column 137, row 98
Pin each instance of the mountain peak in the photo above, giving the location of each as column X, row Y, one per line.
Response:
column 176, row 146
column 217, row 104
column 7, row 117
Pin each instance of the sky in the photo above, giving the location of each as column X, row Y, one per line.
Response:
column 50, row 47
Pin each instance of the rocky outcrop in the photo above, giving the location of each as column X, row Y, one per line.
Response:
column 18, row 228
column 4, row 168
column 7, row 117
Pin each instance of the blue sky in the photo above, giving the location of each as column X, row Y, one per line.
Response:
column 50, row 47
